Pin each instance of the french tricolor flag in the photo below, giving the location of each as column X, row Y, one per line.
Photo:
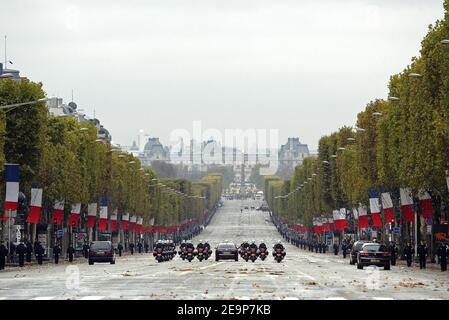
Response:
column 340, row 219
column 139, row 225
column 103, row 223
column 75, row 215
column 407, row 204
column 125, row 221
column 363, row 217
column 387, row 205
column 58, row 213
column 375, row 209
column 132, row 223
column 12, row 190
column 425, row 204
column 91, row 215
column 34, row 216
column 113, row 221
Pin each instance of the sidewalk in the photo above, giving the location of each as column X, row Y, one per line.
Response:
column 62, row 260
column 402, row 263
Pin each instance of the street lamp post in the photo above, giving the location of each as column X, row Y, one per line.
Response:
column 21, row 104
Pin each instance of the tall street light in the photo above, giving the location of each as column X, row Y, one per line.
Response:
column 21, row 104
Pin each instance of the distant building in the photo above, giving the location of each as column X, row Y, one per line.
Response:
column 290, row 155
column 154, row 151
column 10, row 73
column 57, row 108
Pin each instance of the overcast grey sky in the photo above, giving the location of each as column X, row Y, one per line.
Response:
column 304, row 67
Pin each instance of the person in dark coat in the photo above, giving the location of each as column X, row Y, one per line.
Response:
column 56, row 252
column 120, row 249
column 324, row 245
column 409, row 251
column 21, row 250
column 139, row 247
column 70, row 252
column 146, row 247
column 336, row 249
column 3, row 255
column 443, row 252
column 344, row 248
column 86, row 250
column 39, row 251
column 131, row 248
column 12, row 250
column 29, row 248
column 422, row 253
column 36, row 248
column 393, row 253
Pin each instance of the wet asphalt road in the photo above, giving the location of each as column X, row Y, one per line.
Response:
column 302, row 275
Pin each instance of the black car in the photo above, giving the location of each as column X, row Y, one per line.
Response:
column 373, row 254
column 101, row 251
column 356, row 247
column 226, row 251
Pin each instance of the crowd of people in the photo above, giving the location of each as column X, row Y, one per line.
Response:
column 20, row 253
column 408, row 253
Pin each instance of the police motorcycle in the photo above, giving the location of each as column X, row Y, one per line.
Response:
column 158, row 251
column 190, row 252
column 252, row 252
column 207, row 251
column 263, row 251
column 278, row 252
column 182, row 250
column 200, row 251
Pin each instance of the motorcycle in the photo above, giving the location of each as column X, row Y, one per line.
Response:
column 159, row 256
column 246, row 254
column 200, row 254
column 189, row 254
column 253, row 254
column 278, row 256
column 182, row 253
column 262, row 253
column 207, row 253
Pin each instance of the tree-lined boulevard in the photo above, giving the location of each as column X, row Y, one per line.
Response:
column 366, row 217
column 302, row 275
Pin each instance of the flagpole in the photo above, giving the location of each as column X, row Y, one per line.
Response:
column 5, row 54
column 9, row 230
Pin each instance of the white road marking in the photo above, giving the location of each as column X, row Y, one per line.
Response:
column 43, row 298
column 212, row 265
column 92, row 298
column 3, row 298
column 305, row 275
column 382, row 298
column 336, row 298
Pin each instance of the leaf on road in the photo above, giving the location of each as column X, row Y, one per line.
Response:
column 411, row 284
